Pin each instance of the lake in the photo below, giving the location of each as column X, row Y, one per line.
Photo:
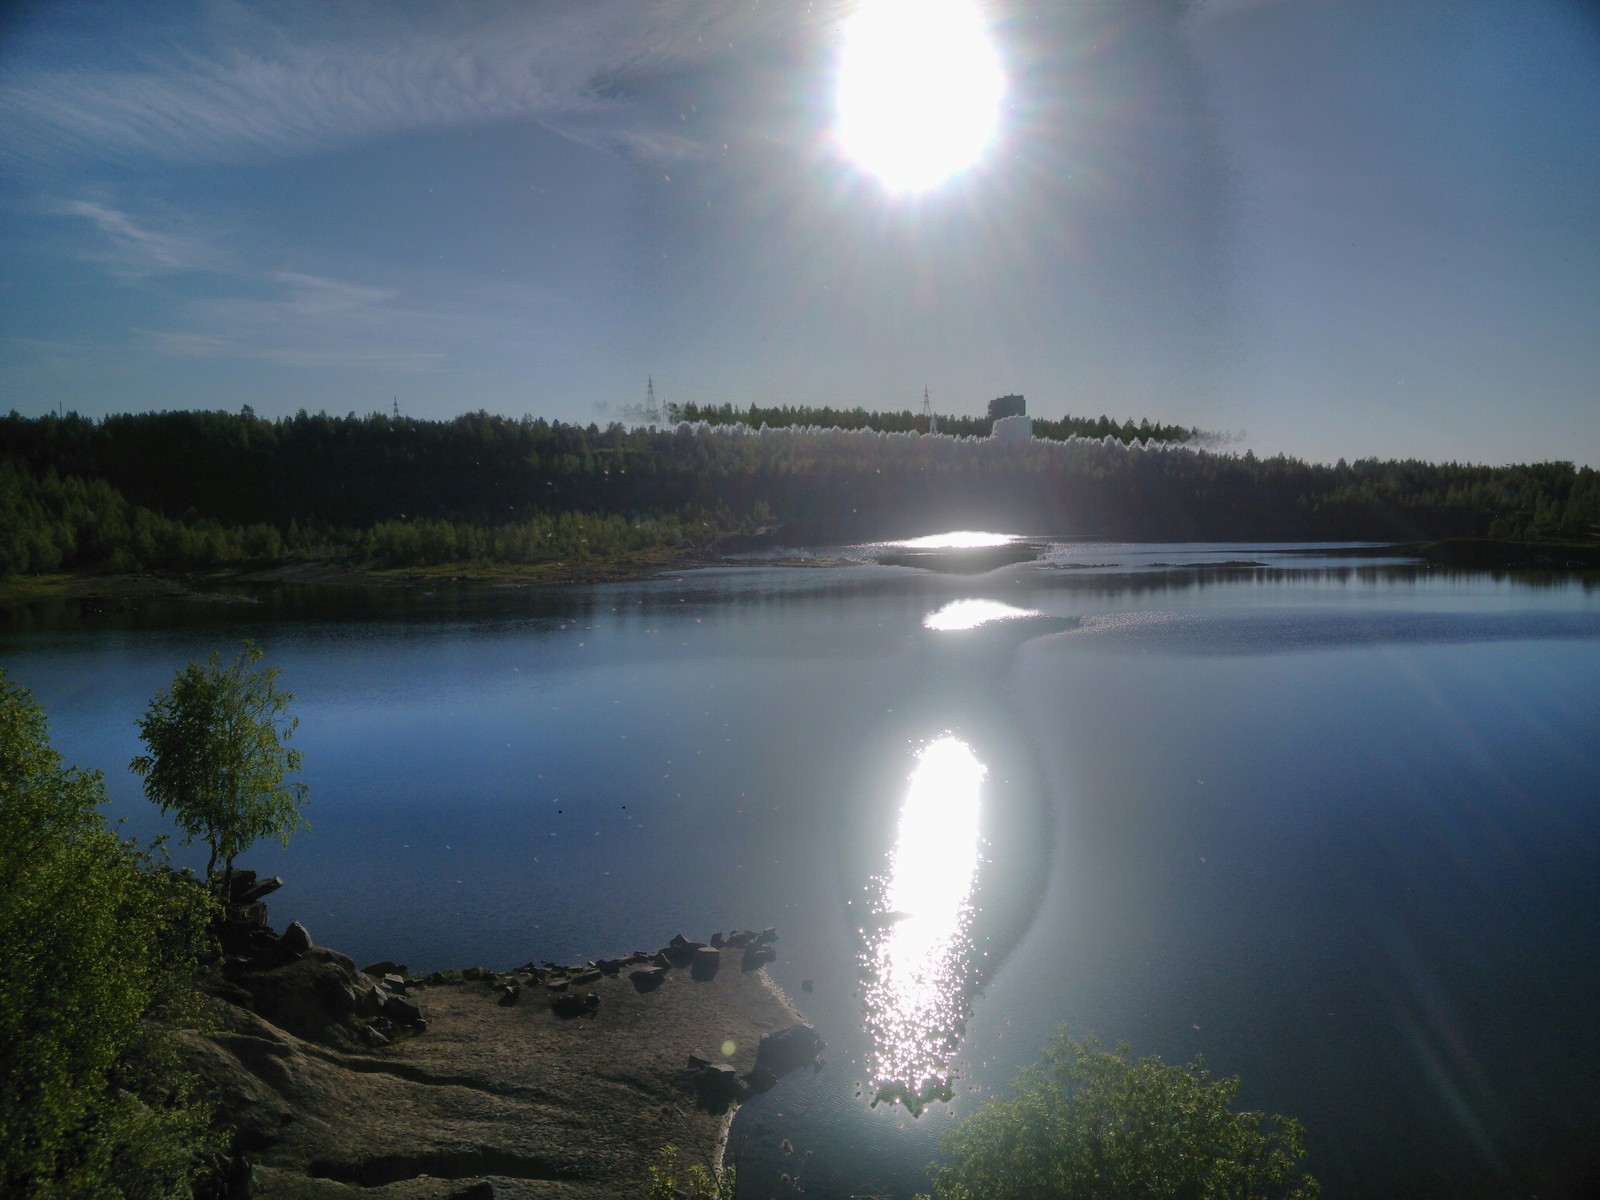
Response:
column 1331, row 821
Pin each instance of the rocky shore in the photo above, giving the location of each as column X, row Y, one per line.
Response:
column 547, row 1080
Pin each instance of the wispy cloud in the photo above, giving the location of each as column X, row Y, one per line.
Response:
column 133, row 248
column 257, row 90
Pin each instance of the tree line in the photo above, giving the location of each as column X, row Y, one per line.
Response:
column 905, row 421
column 199, row 489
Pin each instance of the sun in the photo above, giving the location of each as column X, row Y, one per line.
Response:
column 920, row 88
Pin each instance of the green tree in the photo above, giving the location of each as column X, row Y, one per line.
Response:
column 219, row 760
column 101, row 954
column 1088, row 1123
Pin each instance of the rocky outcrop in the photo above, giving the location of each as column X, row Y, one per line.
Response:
column 545, row 1081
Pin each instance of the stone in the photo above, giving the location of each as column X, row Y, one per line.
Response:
column 757, row 956
column 379, row 969
column 393, row 983
column 647, row 979
column 706, row 961
column 405, row 1010
column 586, row 977
column 256, row 890
column 716, row 939
column 295, row 939
column 681, row 954
column 571, row 1004
column 512, row 993
column 784, row 1050
column 716, row 1085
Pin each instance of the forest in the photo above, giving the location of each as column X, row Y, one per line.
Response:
column 201, row 489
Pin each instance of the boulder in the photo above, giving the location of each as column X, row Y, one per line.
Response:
column 757, row 956
column 784, row 1050
column 680, row 954
column 706, row 961
column 647, row 979
column 256, row 890
column 571, row 1004
column 716, row 1085
column 295, row 939
column 406, row 1011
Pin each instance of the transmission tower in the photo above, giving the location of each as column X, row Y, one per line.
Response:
column 652, row 411
column 927, row 411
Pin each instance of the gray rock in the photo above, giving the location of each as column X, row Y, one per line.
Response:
column 405, row 1010
column 255, row 891
column 706, row 961
column 647, row 979
column 571, row 1004
column 784, row 1050
column 295, row 939
column 757, row 956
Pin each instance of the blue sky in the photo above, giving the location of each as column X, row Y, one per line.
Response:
column 1336, row 229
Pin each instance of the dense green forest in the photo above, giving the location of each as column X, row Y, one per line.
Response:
column 199, row 489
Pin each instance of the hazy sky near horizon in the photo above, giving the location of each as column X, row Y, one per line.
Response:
column 1369, row 227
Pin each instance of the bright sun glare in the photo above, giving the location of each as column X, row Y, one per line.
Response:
column 920, row 87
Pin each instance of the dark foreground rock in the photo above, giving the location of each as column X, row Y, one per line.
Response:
column 477, row 1097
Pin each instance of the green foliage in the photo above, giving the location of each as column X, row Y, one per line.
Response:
column 696, row 1182
column 218, row 757
column 1091, row 1124
column 211, row 489
column 101, row 953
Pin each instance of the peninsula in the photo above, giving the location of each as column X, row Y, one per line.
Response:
column 545, row 1080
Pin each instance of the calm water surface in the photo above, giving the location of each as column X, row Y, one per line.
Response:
column 1331, row 823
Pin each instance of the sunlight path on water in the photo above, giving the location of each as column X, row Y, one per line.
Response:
column 917, row 962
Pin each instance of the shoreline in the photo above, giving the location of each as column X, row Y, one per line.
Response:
column 90, row 588
column 545, row 1080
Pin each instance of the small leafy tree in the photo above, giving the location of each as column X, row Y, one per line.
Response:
column 101, row 951
column 219, row 758
column 698, row 1182
column 1086, row 1124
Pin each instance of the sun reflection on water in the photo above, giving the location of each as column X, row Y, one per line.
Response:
column 917, row 960
column 969, row 614
column 958, row 539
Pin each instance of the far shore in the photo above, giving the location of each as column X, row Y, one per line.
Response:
column 1486, row 554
